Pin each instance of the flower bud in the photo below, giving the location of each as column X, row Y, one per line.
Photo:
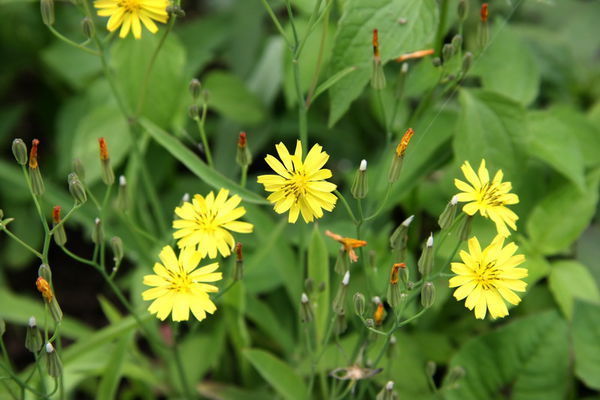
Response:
column 462, row 10
column 19, row 150
column 59, row 234
column 340, row 324
column 33, row 337
column 243, row 156
column 379, row 314
column 37, row 183
column 342, row 262
column 309, row 285
column 465, row 228
column 340, row 298
column 378, row 75
column 447, row 52
column 396, row 167
column 483, row 26
column 116, row 245
column 425, row 262
column 394, row 295
column 76, row 188
column 457, row 42
column 427, row 294
column 359, row 304
column 47, row 11
column 447, row 216
column 194, row 87
column 360, row 186
column 467, row 62
column 430, row 368
column 484, row 13
column 79, row 168
column 87, row 26
column 401, row 81
column 98, row 232
column 122, row 201
column 175, row 11
column 455, row 374
column 194, row 111
column 399, row 239
column 306, row 313
column 436, row 61
column 238, row 269
column 53, row 363
column 108, row 176
column 45, row 272
column 387, row 392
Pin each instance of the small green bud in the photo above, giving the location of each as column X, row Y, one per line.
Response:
column 122, row 202
column 47, row 11
column 45, row 272
column 394, row 295
column 175, row 11
column 108, row 176
column 387, row 392
column 306, row 313
column 462, row 10
column 340, row 323
column 116, row 244
column 339, row 302
column 447, row 52
column 79, row 169
column 436, row 61
column 194, row 87
column 378, row 76
column 194, row 111
column 33, row 337
column 430, row 368
column 467, row 62
column 465, row 228
column 87, row 26
column 360, row 186
column 55, row 310
column 401, row 81
column 53, row 363
column 19, row 149
column 342, row 263
column 427, row 294
column 76, row 188
column 457, row 42
column 447, row 216
column 97, row 232
column 238, row 270
column 425, row 262
column 455, row 374
column 359, row 303
column 243, row 156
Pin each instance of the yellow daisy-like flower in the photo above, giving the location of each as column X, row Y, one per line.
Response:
column 488, row 197
column 206, row 223
column 487, row 276
column 131, row 14
column 178, row 286
column 299, row 186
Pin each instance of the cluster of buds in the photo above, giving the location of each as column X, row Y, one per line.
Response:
column 398, row 159
column 44, row 286
column 58, row 228
column 378, row 75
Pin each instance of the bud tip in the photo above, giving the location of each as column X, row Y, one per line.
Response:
column 363, row 165
column 346, row 279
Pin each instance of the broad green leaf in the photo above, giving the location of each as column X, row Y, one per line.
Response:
column 107, row 389
column 266, row 320
column 331, row 81
column 560, row 217
column 61, row 59
column 318, row 271
column 196, row 165
column 164, row 85
column 529, row 358
column 568, row 281
column 265, row 81
column 231, row 97
column 488, row 127
column 551, row 140
column 352, row 45
column 586, row 337
column 106, row 122
column 519, row 76
column 278, row 374
column 584, row 129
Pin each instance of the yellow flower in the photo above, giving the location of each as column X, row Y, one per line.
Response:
column 206, row 223
column 299, row 186
column 130, row 14
column 177, row 285
column 487, row 276
column 488, row 197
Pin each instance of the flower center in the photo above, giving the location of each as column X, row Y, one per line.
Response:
column 206, row 221
column 490, row 195
column 179, row 282
column 296, row 186
column 486, row 275
column 130, row 5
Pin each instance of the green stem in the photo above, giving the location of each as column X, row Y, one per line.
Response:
column 70, row 42
column 244, row 176
column 345, row 203
column 200, row 122
column 62, row 221
column 383, row 203
column 388, row 132
column 439, row 36
column 21, row 242
column 181, row 371
column 275, row 21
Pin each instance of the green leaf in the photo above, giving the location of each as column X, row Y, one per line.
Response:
column 569, row 280
column 196, row 165
column 488, row 128
column 552, row 141
column 107, row 389
column 560, row 217
column 318, row 271
column 61, row 58
column 331, row 81
column 278, row 374
column 519, row 77
column 166, row 82
column 106, row 122
column 528, row 358
column 352, row 45
column 584, row 129
column 229, row 96
column 586, row 336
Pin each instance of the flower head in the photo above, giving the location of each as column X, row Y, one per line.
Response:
column 486, row 277
column 130, row 14
column 299, row 186
column 490, row 198
column 178, row 286
column 348, row 244
column 206, row 221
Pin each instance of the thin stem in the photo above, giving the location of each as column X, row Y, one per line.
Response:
column 439, row 36
column 388, row 190
column 388, row 132
column 275, row 21
column 345, row 203
column 244, row 176
column 70, row 42
column 181, row 370
column 62, row 221
column 200, row 122
column 21, row 242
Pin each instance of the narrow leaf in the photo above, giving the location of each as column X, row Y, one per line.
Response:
column 278, row 374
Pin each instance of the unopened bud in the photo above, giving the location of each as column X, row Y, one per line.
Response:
column 360, row 185
column 462, row 10
column 194, row 111
column 447, row 52
column 238, row 269
column 387, row 392
column 45, row 272
column 457, row 42
column 79, row 169
column 37, row 183
column 396, row 167
column 339, row 301
column 401, row 81
column 430, row 368
column 53, row 363
column 122, row 202
column 309, row 285
column 76, row 188
column 175, row 11
column 33, row 336
column 97, row 232
column 116, row 245
column 484, row 13
column 447, row 216
column 427, row 294
column 342, row 262
column 340, row 323
column 194, row 87
column 59, row 234
column 465, row 228
column 359, row 303
column 394, row 292
column 19, row 150
column 467, row 62
column 378, row 75
column 108, row 176
column 399, row 239
column 87, row 26
column 306, row 313
column 379, row 314
column 436, row 61
column 425, row 262
column 47, row 11
column 243, row 156
column 455, row 374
